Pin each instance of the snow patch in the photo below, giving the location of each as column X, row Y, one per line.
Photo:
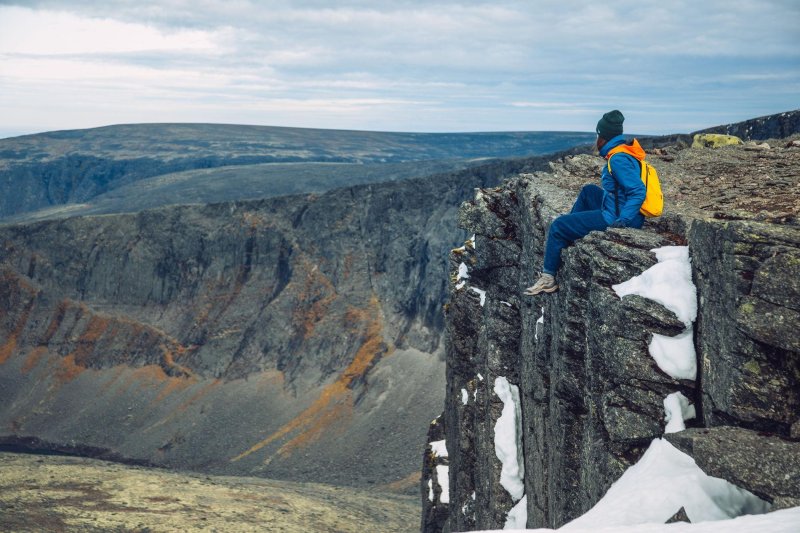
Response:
column 463, row 274
column 464, row 396
column 664, row 480
column 439, row 448
column 430, row 489
column 536, row 327
column 783, row 521
column 678, row 409
column 518, row 515
column 505, row 303
column 508, row 439
column 668, row 282
column 481, row 293
column 442, row 477
column 675, row 355
column 480, row 377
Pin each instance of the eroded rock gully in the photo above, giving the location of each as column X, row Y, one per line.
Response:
column 591, row 395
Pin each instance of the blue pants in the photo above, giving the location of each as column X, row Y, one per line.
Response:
column 584, row 218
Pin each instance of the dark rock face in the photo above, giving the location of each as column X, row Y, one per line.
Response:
column 591, row 394
column 766, row 465
column 769, row 127
column 434, row 510
column 748, row 275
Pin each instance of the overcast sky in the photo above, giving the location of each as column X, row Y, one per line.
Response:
column 404, row 65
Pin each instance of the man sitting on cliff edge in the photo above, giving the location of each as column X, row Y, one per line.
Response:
column 616, row 204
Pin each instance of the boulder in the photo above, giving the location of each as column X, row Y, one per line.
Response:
column 714, row 140
column 680, row 516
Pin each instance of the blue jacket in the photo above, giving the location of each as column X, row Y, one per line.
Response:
column 626, row 183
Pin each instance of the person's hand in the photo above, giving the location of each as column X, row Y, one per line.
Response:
column 619, row 223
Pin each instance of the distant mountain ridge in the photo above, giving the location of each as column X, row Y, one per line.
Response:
column 55, row 169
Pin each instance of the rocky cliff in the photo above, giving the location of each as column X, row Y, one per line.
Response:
column 575, row 366
column 762, row 128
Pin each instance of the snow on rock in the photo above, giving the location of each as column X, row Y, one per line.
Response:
column 463, row 274
column 481, row 293
column 784, row 521
column 464, row 396
column 536, row 328
column 442, row 477
column 675, row 355
column 664, row 480
column 518, row 515
column 508, row 439
column 430, row 489
column 668, row 282
column 439, row 448
column 677, row 409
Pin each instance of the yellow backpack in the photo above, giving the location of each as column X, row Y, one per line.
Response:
column 653, row 204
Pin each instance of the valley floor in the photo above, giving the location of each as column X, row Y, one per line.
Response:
column 61, row 493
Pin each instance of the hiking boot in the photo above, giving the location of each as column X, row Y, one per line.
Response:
column 545, row 283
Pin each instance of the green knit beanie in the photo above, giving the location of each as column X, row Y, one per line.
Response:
column 610, row 125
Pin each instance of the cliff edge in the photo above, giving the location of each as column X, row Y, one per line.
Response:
column 576, row 367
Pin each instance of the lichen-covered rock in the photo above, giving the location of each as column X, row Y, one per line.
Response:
column 748, row 276
column 714, row 140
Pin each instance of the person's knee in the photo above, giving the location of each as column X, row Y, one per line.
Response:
column 557, row 227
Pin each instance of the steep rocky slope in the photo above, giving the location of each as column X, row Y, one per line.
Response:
column 768, row 127
column 591, row 395
column 296, row 337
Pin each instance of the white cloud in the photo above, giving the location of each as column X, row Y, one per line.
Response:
column 406, row 64
column 26, row 31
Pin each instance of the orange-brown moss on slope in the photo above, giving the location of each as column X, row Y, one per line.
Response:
column 103, row 339
column 170, row 352
column 411, row 481
column 33, row 358
column 313, row 301
column 172, row 385
column 55, row 322
column 67, row 370
column 335, row 403
column 180, row 384
column 14, row 292
column 89, row 338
